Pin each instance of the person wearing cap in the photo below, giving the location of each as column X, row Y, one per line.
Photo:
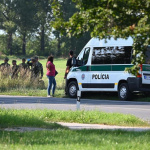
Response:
column 5, row 68
column 40, row 66
column 14, row 70
column 34, row 69
column 24, row 69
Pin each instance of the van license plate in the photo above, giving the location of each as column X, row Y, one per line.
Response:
column 147, row 77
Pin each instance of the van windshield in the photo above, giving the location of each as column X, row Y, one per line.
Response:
column 112, row 55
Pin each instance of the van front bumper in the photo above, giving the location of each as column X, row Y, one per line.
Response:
column 135, row 84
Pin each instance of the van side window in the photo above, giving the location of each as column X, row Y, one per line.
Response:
column 83, row 57
column 147, row 60
column 112, row 55
column 86, row 55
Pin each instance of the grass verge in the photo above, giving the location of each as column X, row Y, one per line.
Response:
column 63, row 138
column 41, row 118
column 75, row 139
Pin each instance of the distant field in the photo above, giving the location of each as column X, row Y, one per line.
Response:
column 60, row 65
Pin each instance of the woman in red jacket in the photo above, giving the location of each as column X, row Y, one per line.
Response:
column 51, row 76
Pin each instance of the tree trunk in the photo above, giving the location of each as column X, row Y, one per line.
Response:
column 43, row 39
column 58, row 46
column 9, row 45
column 24, row 44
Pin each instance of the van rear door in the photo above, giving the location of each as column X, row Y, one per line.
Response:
column 145, row 74
column 146, row 68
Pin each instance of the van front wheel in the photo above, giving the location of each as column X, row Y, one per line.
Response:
column 72, row 89
column 124, row 92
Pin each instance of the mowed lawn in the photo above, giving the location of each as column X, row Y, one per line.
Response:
column 55, row 137
column 75, row 140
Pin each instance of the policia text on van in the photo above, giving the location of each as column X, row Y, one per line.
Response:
column 101, row 67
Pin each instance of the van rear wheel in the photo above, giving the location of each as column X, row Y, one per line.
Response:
column 124, row 92
column 72, row 89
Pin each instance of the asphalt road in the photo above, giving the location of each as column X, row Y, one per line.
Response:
column 139, row 109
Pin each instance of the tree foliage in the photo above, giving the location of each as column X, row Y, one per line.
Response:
column 27, row 28
column 106, row 18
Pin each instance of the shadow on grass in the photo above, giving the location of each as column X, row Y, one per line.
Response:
column 8, row 120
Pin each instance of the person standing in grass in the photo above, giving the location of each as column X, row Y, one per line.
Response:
column 51, row 76
column 5, row 69
column 14, row 70
column 35, row 71
column 24, row 69
column 39, row 65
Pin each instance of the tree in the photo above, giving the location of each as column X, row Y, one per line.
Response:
column 106, row 18
column 63, row 10
column 26, row 19
column 45, row 16
column 7, row 18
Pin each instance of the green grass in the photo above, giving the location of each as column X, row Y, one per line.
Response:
column 60, row 64
column 62, row 138
column 74, row 140
column 38, row 118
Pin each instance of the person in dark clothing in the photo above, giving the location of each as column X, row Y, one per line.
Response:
column 24, row 69
column 14, row 70
column 69, row 64
column 40, row 66
column 5, row 69
column 35, row 71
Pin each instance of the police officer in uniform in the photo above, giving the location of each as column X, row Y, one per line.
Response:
column 14, row 70
column 24, row 69
column 5, row 68
column 69, row 63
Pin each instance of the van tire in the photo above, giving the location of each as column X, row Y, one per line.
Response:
column 124, row 92
column 72, row 89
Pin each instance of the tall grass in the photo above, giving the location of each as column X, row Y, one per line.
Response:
column 38, row 88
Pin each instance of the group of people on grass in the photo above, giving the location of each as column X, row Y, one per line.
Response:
column 33, row 69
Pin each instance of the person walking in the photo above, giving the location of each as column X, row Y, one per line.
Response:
column 51, row 76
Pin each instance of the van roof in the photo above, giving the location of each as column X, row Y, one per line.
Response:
column 96, row 42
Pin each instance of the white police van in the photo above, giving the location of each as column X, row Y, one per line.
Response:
column 101, row 67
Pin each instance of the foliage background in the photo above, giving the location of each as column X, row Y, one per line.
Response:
column 26, row 29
